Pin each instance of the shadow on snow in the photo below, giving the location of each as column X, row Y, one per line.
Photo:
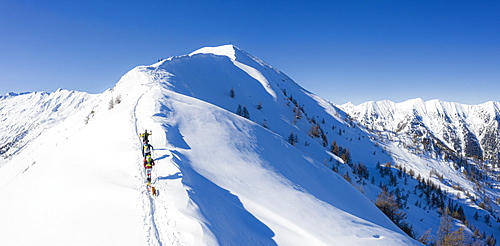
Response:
column 225, row 215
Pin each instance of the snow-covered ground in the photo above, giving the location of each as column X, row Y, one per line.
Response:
column 222, row 179
column 25, row 116
column 425, row 136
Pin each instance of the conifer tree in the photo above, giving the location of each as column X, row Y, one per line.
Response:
column 334, row 148
column 245, row 113
column 239, row 110
column 487, row 219
column 446, row 236
column 315, row 131
column 426, row 238
column 292, row 139
column 445, row 229
column 386, row 202
column 111, row 104
column 231, row 93
column 324, row 139
column 347, row 177
column 491, row 241
column 346, row 156
column 118, row 99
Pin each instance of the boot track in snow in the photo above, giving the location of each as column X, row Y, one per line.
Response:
column 148, row 202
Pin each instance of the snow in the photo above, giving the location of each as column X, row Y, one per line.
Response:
column 447, row 122
column 243, row 167
column 224, row 50
column 74, row 185
column 222, row 179
column 34, row 112
column 232, row 52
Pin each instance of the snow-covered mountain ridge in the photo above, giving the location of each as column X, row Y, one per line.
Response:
column 456, row 144
column 465, row 130
column 244, row 156
column 26, row 115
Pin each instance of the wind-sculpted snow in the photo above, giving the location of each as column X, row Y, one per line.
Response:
column 222, row 179
column 245, row 62
column 248, row 184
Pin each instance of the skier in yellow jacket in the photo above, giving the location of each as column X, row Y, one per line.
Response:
column 145, row 136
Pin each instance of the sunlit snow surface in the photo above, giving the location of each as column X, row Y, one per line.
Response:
column 222, row 179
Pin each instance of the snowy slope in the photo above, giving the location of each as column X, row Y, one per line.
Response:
column 223, row 179
column 470, row 130
column 76, row 184
column 25, row 116
column 442, row 142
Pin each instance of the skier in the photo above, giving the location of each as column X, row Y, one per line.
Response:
column 148, row 165
column 145, row 135
column 146, row 148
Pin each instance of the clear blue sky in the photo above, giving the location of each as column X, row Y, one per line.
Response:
column 341, row 50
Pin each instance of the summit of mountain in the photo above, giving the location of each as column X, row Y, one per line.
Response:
column 242, row 158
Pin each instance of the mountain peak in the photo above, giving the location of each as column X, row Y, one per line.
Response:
column 13, row 94
column 228, row 50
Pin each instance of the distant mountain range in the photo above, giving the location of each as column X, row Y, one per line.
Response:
column 437, row 126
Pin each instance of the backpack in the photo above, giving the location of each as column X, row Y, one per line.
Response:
column 149, row 162
column 145, row 136
column 147, row 148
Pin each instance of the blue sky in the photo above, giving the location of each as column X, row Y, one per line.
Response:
column 341, row 50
